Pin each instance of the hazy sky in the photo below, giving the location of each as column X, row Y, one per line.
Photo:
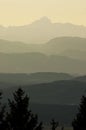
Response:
column 20, row 12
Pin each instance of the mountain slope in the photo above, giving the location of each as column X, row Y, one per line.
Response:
column 33, row 78
column 54, row 46
column 17, row 47
column 41, row 31
column 61, row 44
column 38, row 62
column 77, row 54
column 63, row 92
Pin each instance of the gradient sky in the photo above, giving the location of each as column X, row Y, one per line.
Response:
column 21, row 12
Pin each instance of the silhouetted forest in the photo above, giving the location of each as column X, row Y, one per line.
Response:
column 19, row 116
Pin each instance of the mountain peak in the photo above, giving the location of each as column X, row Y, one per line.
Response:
column 43, row 20
column 46, row 19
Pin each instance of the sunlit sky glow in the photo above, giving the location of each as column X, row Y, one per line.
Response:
column 21, row 12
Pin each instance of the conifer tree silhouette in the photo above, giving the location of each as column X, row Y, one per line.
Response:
column 19, row 116
column 79, row 122
column 54, row 124
column 3, row 123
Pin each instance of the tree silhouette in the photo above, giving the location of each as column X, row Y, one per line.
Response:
column 79, row 122
column 19, row 116
column 54, row 124
column 39, row 127
column 3, row 124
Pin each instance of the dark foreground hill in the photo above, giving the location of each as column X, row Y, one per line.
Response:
column 62, row 113
column 57, row 100
column 59, row 92
column 52, row 100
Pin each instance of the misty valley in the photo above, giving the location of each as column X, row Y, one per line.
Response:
column 49, row 66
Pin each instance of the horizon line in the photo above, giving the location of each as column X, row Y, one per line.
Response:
column 40, row 19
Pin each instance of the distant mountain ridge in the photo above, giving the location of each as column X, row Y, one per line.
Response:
column 63, row 54
column 38, row 62
column 41, row 31
column 21, row 79
column 54, row 46
column 76, row 54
